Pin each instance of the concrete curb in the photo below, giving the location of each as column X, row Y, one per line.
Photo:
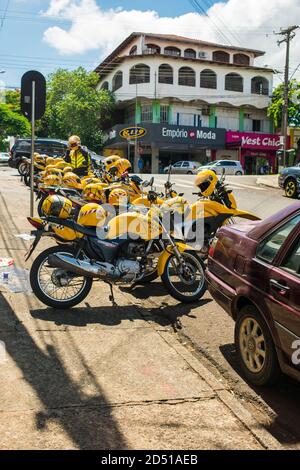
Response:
column 225, row 396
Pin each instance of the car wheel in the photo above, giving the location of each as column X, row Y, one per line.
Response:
column 255, row 348
column 189, row 173
column 239, row 173
column 290, row 188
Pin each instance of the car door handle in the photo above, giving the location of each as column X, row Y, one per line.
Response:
column 280, row 287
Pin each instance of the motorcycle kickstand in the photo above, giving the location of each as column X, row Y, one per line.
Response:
column 112, row 297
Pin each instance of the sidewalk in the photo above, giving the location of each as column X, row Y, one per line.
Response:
column 103, row 377
column 268, row 180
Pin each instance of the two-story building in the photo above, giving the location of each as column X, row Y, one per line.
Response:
column 184, row 99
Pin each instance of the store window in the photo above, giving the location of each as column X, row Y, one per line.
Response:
column 221, row 56
column 260, row 86
column 165, row 74
column 257, row 125
column 117, row 81
column 241, row 59
column 208, row 79
column 146, row 113
column 187, row 76
column 234, row 82
column 164, row 113
column 139, row 74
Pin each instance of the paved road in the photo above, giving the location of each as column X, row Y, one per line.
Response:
column 205, row 329
column 210, row 331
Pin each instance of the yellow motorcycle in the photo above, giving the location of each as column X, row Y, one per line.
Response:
column 120, row 252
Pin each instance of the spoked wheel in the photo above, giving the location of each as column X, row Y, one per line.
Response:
column 23, row 168
column 55, row 287
column 185, row 280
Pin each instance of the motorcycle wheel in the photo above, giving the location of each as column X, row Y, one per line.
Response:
column 39, row 207
column 53, row 286
column 185, row 283
column 23, row 169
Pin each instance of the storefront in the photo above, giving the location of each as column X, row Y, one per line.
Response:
column 158, row 145
column 256, row 152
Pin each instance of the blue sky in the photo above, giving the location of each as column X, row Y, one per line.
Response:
column 86, row 30
column 21, row 36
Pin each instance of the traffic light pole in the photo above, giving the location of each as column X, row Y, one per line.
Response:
column 32, row 149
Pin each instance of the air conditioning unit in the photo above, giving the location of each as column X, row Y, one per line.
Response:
column 202, row 55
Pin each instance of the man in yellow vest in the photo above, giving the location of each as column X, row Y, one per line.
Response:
column 77, row 157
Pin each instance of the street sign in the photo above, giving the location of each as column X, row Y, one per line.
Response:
column 33, row 105
column 39, row 81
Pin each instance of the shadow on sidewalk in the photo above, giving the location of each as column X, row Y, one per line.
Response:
column 283, row 399
column 165, row 315
column 87, row 425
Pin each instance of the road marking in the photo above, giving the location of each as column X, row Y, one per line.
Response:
column 246, row 186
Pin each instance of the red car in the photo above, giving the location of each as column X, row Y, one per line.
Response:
column 254, row 274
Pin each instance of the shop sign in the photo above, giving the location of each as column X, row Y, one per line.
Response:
column 133, row 132
column 254, row 141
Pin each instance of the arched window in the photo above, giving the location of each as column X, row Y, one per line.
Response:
column 260, row 86
column 165, row 74
column 234, row 82
column 104, row 86
column 241, row 59
column 173, row 51
column 133, row 50
column 187, row 76
column 117, row 81
column 221, row 56
column 208, row 79
column 152, row 49
column 190, row 54
column 139, row 74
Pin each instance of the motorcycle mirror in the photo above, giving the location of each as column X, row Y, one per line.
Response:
column 151, row 182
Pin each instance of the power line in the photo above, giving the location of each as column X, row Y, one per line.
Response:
column 4, row 15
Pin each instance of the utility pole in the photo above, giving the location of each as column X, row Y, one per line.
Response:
column 289, row 34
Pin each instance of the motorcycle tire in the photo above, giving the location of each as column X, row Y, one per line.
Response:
column 39, row 207
column 193, row 258
column 40, row 293
column 23, row 169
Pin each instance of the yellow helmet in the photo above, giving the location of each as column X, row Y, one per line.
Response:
column 67, row 169
column 85, row 182
column 50, row 161
column 58, row 160
column 61, row 165
column 74, row 141
column 70, row 180
column 94, row 192
column 206, row 181
column 92, row 215
column 121, row 166
column 54, row 171
column 118, row 197
column 52, row 180
column 109, row 162
column 57, row 206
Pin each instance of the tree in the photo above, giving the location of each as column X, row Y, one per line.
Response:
column 75, row 106
column 275, row 108
column 12, row 124
column 13, row 100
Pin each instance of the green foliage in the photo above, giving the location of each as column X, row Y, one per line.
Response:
column 13, row 100
column 275, row 108
column 11, row 123
column 75, row 106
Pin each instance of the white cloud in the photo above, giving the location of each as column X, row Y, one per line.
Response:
column 243, row 23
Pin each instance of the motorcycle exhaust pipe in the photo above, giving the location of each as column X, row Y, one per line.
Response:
column 83, row 268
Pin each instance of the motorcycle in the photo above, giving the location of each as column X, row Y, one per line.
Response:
column 62, row 276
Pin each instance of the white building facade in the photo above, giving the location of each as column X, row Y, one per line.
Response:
column 165, row 81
